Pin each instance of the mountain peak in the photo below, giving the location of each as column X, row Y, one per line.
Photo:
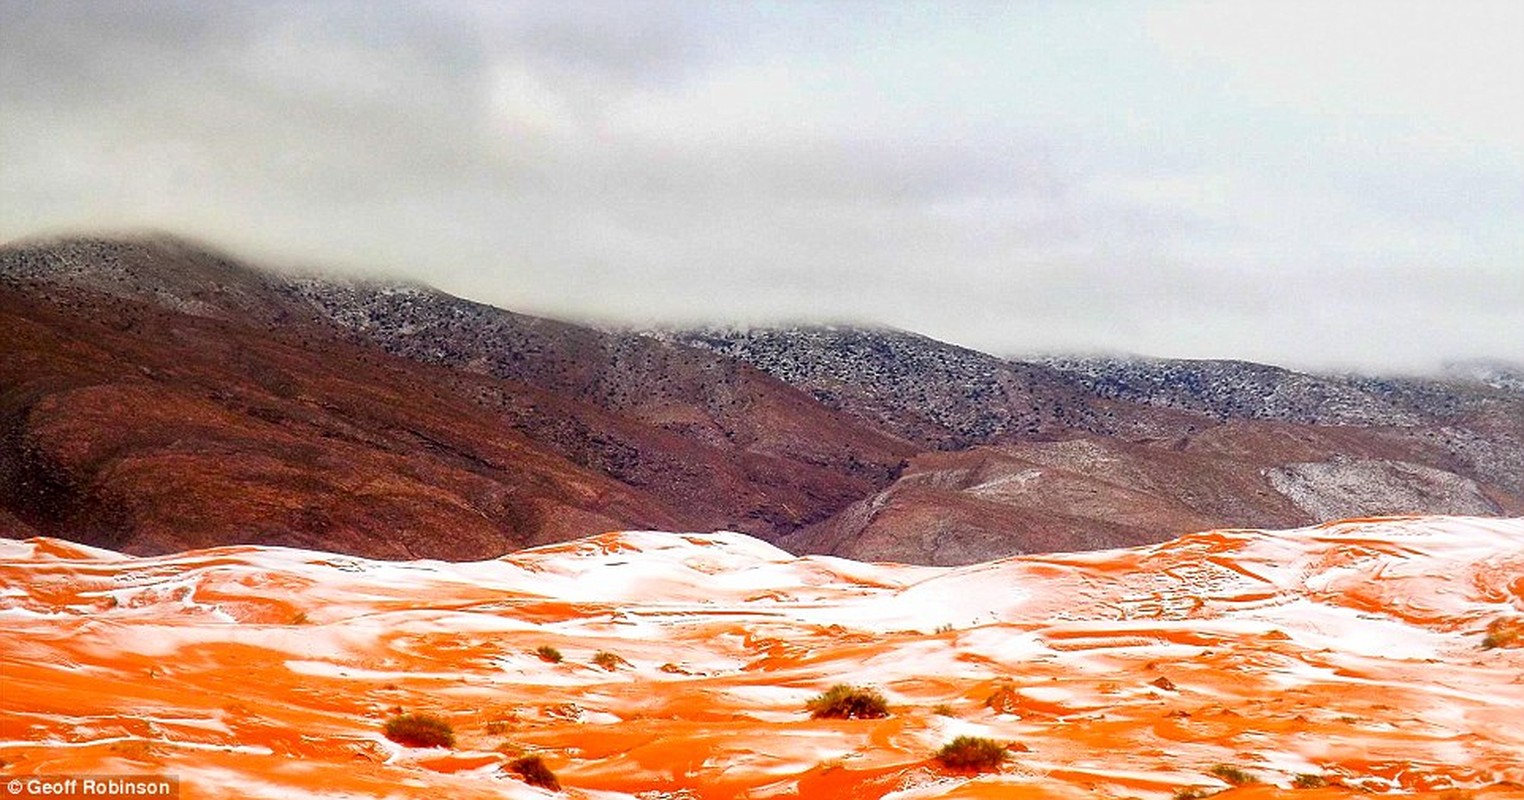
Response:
column 158, row 268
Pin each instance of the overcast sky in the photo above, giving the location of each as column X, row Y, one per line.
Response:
column 1320, row 184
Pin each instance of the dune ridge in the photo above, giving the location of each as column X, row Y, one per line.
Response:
column 1350, row 651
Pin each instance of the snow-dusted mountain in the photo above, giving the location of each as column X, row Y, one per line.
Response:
column 1078, row 453
column 157, row 396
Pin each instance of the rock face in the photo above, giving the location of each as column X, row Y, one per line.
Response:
column 1342, row 488
column 157, row 395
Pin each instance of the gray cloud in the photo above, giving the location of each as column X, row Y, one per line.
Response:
column 1038, row 177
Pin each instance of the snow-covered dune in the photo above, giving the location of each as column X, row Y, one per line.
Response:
column 1350, row 651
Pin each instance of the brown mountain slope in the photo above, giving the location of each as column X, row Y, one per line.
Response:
column 1073, row 454
column 703, row 397
column 952, row 508
column 157, row 431
column 157, row 397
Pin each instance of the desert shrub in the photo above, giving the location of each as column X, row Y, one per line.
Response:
column 533, row 771
column 607, row 660
column 943, row 710
column 1190, row 793
column 1233, row 775
column 1004, row 700
column 420, row 730
column 972, row 754
column 566, row 711
column 1503, row 632
column 497, row 727
column 848, row 702
column 1309, row 781
column 137, row 750
column 548, row 653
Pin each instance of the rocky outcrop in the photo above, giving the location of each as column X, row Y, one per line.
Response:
column 1344, row 488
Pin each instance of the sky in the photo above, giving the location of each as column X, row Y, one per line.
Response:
column 1325, row 185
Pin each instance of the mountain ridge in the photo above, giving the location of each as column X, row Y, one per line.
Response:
column 284, row 361
column 1247, row 436
column 861, row 441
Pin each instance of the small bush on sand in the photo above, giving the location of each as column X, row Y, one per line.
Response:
column 972, row 754
column 1503, row 632
column 608, row 661
column 943, row 710
column 1191, row 793
column 1309, row 781
column 848, row 702
column 1233, row 775
column 420, row 730
column 497, row 727
column 534, row 772
column 548, row 654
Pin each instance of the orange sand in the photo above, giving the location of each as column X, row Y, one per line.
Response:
column 254, row 673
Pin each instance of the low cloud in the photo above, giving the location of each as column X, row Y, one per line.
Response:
column 1170, row 179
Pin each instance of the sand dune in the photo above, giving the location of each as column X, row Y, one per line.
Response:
column 1350, row 651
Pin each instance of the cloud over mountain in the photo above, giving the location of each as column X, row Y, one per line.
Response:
column 1180, row 180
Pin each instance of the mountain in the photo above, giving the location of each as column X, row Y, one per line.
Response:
column 934, row 394
column 1060, row 454
column 157, row 395
column 1370, row 657
column 782, row 436
column 134, row 426
column 1471, row 424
